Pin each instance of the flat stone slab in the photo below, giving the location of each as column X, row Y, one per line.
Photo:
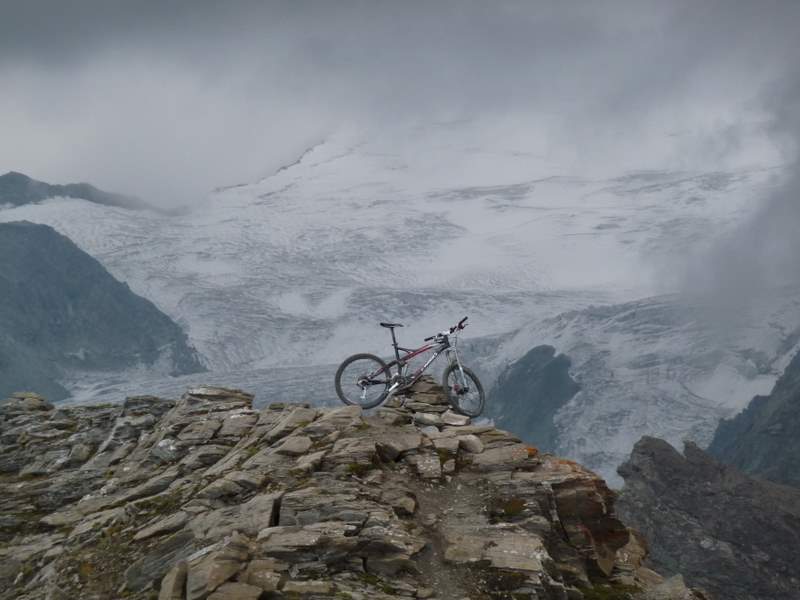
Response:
column 349, row 451
column 424, row 419
column 308, row 587
column 454, row 419
column 248, row 518
column 200, row 431
column 392, row 445
column 428, row 466
column 310, row 462
column 263, row 574
column 295, row 445
column 237, row 591
column 504, row 457
column 516, row 551
column 173, row 583
column 298, row 417
column 448, row 445
column 171, row 523
column 425, row 407
column 393, row 416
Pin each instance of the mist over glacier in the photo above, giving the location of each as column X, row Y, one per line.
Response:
column 437, row 219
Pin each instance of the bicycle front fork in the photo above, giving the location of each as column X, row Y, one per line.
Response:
column 455, row 359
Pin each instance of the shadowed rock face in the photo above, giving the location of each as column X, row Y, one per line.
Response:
column 17, row 189
column 726, row 532
column 207, row 497
column 529, row 393
column 764, row 439
column 61, row 310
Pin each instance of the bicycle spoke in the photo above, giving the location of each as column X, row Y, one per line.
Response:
column 362, row 382
column 464, row 392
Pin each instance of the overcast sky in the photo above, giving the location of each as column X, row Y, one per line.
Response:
column 168, row 99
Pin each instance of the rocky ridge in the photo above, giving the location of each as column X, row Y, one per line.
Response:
column 732, row 534
column 764, row 439
column 208, row 498
column 17, row 189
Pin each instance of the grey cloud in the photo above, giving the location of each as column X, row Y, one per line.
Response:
column 169, row 99
column 764, row 253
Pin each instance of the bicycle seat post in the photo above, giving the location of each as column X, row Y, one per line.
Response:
column 394, row 344
column 390, row 327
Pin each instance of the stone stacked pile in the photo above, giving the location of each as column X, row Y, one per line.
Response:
column 208, row 498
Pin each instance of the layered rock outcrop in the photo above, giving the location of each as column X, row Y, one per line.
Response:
column 729, row 533
column 208, row 498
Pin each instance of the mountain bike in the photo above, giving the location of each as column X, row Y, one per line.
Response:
column 367, row 380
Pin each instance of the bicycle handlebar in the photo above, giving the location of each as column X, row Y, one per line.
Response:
column 461, row 325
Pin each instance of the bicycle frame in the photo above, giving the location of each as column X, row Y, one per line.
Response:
column 399, row 379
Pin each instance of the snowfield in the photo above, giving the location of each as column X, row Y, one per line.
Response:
column 282, row 278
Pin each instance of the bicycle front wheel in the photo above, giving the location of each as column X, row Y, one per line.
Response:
column 363, row 380
column 464, row 394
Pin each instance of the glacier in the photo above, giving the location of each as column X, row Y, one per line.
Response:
column 277, row 280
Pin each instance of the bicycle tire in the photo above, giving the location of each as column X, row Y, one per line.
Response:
column 453, row 398
column 340, row 371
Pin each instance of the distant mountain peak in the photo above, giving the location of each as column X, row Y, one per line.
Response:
column 15, row 176
column 18, row 189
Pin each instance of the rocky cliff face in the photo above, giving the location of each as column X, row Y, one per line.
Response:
column 729, row 533
column 60, row 311
column 208, row 498
column 764, row 439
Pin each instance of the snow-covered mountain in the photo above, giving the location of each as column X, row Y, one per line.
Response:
column 423, row 226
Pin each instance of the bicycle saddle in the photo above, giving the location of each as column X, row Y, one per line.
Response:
column 390, row 325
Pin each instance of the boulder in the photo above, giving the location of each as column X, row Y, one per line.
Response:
column 264, row 574
column 470, row 443
column 174, row 583
column 425, row 419
column 454, row 419
column 394, row 444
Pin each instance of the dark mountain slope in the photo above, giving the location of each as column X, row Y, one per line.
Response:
column 17, row 189
column 60, row 309
column 731, row 534
column 529, row 393
column 764, row 439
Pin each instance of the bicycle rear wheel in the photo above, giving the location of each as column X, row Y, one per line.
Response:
column 465, row 396
column 363, row 380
